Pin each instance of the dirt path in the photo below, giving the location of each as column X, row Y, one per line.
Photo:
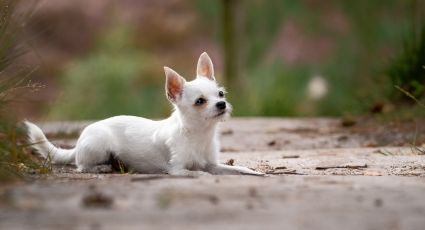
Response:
column 323, row 174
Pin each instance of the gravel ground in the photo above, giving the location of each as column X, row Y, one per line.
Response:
column 322, row 174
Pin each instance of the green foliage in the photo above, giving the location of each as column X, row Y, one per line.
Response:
column 352, row 67
column 113, row 79
column 271, row 90
column 117, row 77
column 407, row 69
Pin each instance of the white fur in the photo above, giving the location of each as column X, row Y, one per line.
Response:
column 185, row 144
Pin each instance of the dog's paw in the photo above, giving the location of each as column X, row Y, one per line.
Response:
column 188, row 173
column 254, row 173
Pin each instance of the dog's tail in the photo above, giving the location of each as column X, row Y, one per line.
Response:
column 39, row 142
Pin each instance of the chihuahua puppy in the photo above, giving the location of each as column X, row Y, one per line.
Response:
column 185, row 144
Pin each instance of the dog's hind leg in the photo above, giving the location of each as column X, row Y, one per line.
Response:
column 93, row 154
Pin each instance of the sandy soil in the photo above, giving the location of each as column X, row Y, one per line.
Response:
column 322, row 174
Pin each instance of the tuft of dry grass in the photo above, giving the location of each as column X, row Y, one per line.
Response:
column 15, row 162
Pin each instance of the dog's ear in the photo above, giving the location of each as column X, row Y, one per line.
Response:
column 174, row 84
column 205, row 67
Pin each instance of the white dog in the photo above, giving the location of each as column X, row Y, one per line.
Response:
column 185, row 144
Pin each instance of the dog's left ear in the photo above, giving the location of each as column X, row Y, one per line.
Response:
column 174, row 84
column 205, row 67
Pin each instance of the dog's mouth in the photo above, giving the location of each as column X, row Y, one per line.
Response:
column 220, row 113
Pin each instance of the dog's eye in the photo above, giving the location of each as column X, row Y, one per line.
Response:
column 200, row 101
column 220, row 93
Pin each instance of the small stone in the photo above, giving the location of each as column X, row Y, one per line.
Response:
column 97, row 200
column 230, row 162
column 271, row 143
column 348, row 122
column 378, row 202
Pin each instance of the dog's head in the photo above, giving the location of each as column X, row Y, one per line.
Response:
column 201, row 99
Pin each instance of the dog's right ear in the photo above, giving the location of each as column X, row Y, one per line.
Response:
column 205, row 67
column 174, row 84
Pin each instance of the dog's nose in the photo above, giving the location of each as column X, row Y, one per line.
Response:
column 221, row 105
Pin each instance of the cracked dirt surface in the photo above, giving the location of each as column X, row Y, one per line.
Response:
column 321, row 175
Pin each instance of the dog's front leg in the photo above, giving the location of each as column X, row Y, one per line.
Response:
column 222, row 169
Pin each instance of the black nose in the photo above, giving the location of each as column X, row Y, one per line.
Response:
column 221, row 105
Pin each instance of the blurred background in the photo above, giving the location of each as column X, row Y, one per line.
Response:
column 99, row 58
